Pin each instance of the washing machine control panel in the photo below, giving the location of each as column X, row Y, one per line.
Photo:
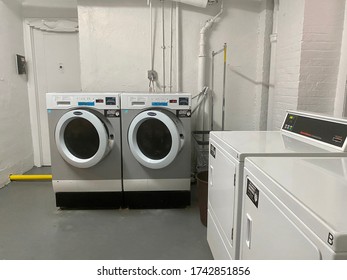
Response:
column 97, row 100
column 327, row 130
column 175, row 101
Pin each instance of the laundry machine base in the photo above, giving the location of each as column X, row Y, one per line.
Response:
column 89, row 200
column 88, row 194
column 156, row 199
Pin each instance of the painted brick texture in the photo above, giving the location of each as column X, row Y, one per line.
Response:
column 308, row 56
column 288, row 54
column 320, row 55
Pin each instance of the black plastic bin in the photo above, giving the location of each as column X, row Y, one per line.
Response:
column 202, row 191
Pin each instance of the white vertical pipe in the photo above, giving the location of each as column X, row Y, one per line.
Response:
column 178, row 53
column 273, row 40
column 203, row 56
column 163, row 46
column 151, row 32
column 171, row 40
column 202, row 51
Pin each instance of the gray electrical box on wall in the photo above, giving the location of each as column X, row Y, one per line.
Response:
column 21, row 64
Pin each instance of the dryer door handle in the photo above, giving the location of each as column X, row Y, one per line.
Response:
column 249, row 224
column 211, row 176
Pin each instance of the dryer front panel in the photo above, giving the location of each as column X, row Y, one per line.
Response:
column 155, row 138
column 83, row 138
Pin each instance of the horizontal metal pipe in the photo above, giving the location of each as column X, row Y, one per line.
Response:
column 46, row 177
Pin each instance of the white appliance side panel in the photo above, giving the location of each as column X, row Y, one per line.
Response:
column 221, row 193
column 268, row 233
column 215, row 240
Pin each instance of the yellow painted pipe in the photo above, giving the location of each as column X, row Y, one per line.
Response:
column 34, row 177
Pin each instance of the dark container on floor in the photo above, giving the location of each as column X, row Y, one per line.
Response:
column 202, row 190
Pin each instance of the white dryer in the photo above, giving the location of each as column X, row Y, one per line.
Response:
column 85, row 144
column 302, row 134
column 156, row 149
column 294, row 208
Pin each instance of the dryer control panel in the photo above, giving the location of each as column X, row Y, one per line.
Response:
column 320, row 129
column 93, row 100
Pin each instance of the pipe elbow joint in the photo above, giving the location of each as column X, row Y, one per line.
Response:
column 207, row 26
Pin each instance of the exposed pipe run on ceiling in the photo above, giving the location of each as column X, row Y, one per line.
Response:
column 152, row 75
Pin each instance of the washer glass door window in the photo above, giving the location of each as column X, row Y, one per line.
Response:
column 154, row 138
column 81, row 138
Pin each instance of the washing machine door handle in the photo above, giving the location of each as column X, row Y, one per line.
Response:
column 88, row 136
column 136, row 131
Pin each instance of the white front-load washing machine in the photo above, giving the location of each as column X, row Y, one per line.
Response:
column 156, row 149
column 302, row 134
column 294, row 208
column 85, row 144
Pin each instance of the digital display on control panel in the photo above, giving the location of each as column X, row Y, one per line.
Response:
column 319, row 129
column 110, row 101
column 183, row 101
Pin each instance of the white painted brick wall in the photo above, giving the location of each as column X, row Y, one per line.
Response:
column 263, row 64
column 288, row 54
column 308, row 56
column 320, row 55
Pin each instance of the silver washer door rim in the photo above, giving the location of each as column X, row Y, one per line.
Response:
column 137, row 153
column 64, row 151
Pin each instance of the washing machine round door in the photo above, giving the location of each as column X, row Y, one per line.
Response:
column 154, row 138
column 82, row 138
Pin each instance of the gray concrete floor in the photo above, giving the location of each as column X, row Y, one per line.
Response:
column 31, row 227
